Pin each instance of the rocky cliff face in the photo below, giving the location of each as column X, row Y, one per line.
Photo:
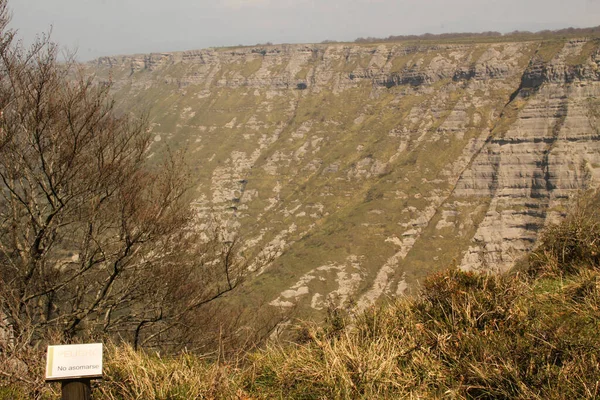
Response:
column 359, row 169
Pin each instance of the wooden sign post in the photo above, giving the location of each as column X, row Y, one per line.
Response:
column 76, row 389
column 74, row 365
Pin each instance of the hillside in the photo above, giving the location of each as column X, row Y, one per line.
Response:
column 527, row 334
column 359, row 169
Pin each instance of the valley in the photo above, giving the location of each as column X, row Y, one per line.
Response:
column 350, row 172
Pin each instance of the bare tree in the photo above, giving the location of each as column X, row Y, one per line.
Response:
column 95, row 240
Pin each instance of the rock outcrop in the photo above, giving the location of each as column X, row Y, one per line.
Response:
column 356, row 170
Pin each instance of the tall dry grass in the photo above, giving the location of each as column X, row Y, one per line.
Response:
column 469, row 336
column 131, row 374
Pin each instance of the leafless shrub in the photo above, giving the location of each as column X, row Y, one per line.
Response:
column 95, row 240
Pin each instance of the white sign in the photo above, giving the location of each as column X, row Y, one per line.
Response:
column 74, row 361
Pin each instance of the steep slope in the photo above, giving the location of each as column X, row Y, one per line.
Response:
column 359, row 169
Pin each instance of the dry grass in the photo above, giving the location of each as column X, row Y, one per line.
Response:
column 469, row 336
column 132, row 374
column 572, row 245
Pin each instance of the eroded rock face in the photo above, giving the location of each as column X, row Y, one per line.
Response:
column 548, row 153
column 356, row 170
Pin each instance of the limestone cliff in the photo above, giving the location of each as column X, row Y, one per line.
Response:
column 359, row 169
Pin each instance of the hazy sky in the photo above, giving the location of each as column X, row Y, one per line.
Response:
column 110, row 27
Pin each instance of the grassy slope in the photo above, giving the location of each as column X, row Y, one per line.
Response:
column 530, row 334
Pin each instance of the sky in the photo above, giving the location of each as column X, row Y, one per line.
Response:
column 97, row 28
